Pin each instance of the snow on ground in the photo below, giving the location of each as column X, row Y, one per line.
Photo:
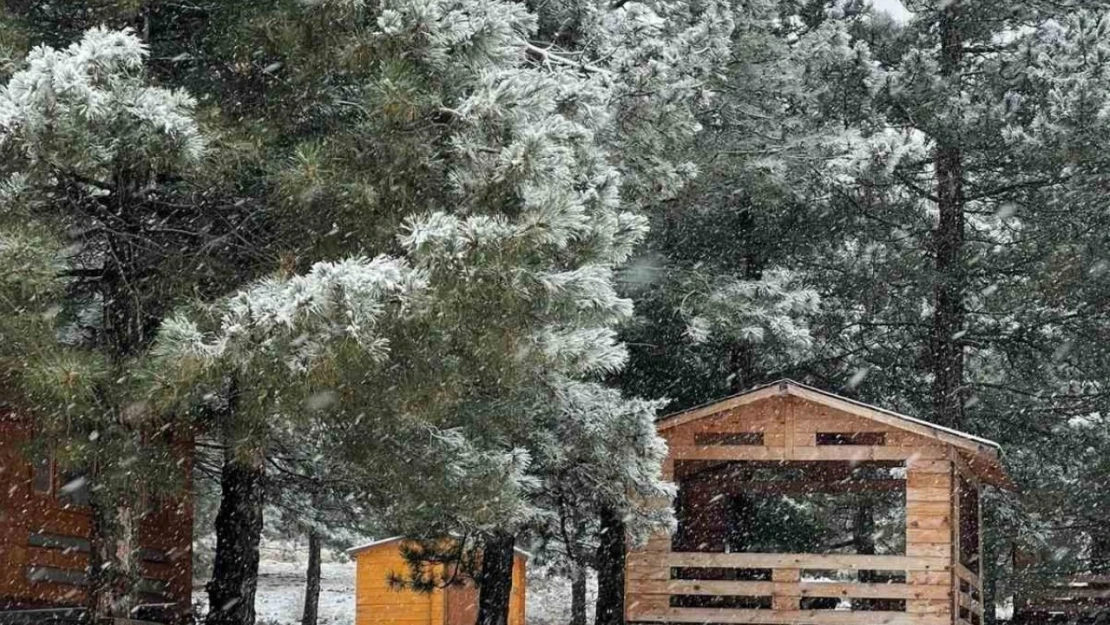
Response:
column 281, row 580
column 548, row 598
column 280, row 596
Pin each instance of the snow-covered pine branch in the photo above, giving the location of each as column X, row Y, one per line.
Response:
column 85, row 109
column 296, row 320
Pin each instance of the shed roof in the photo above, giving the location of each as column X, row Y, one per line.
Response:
column 353, row 551
column 980, row 453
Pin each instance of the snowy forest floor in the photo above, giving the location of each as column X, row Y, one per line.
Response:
column 281, row 583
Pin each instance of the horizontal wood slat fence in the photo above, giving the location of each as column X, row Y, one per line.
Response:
column 927, row 585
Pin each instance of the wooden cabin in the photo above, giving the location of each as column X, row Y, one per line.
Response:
column 44, row 541
column 380, row 601
column 800, row 507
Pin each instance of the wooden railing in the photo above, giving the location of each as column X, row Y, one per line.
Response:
column 968, row 590
column 781, row 594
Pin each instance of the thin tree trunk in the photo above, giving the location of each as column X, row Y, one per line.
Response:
column 238, row 532
column 99, row 599
column 128, row 575
column 610, row 569
column 578, row 596
column 495, row 580
column 947, row 350
column 312, row 583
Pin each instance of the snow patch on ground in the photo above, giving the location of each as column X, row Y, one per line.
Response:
column 548, row 598
column 281, row 593
column 281, row 581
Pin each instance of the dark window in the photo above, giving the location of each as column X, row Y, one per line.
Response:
column 57, row 541
column 729, row 438
column 153, row 555
column 57, row 575
column 151, row 586
column 74, row 490
column 42, row 475
column 851, row 438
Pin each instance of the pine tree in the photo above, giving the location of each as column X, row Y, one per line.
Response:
column 516, row 275
column 98, row 168
column 951, row 283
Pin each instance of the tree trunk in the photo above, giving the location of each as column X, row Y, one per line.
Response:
column 495, row 580
column 100, row 600
column 947, row 350
column 312, row 583
column 113, row 570
column 610, row 569
column 578, row 596
column 238, row 532
column 128, row 575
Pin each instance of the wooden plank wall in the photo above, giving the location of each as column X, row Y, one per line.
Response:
column 378, row 602
column 789, row 427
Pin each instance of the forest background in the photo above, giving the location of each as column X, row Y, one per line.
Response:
column 434, row 266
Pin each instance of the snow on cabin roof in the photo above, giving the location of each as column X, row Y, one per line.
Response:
column 985, row 452
column 392, row 539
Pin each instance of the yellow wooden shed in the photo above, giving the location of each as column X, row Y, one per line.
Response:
column 380, row 602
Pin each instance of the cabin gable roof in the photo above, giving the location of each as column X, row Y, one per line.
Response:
column 980, row 453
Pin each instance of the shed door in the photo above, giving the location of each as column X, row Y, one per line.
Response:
column 460, row 604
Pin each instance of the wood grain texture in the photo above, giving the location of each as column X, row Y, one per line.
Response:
column 379, row 602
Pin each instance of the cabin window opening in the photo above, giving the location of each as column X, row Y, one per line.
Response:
column 153, row 586
column 68, row 544
column 153, row 555
column 729, row 439
column 790, row 507
column 57, row 575
column 42, row 474
column 851, row 438
column 74, row 489
column 732, row 602
column 968, row 501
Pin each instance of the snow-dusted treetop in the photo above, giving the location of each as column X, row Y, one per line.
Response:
column 85, row 107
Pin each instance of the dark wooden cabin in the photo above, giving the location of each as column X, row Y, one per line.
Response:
column 44, row 541
column 800, row 507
